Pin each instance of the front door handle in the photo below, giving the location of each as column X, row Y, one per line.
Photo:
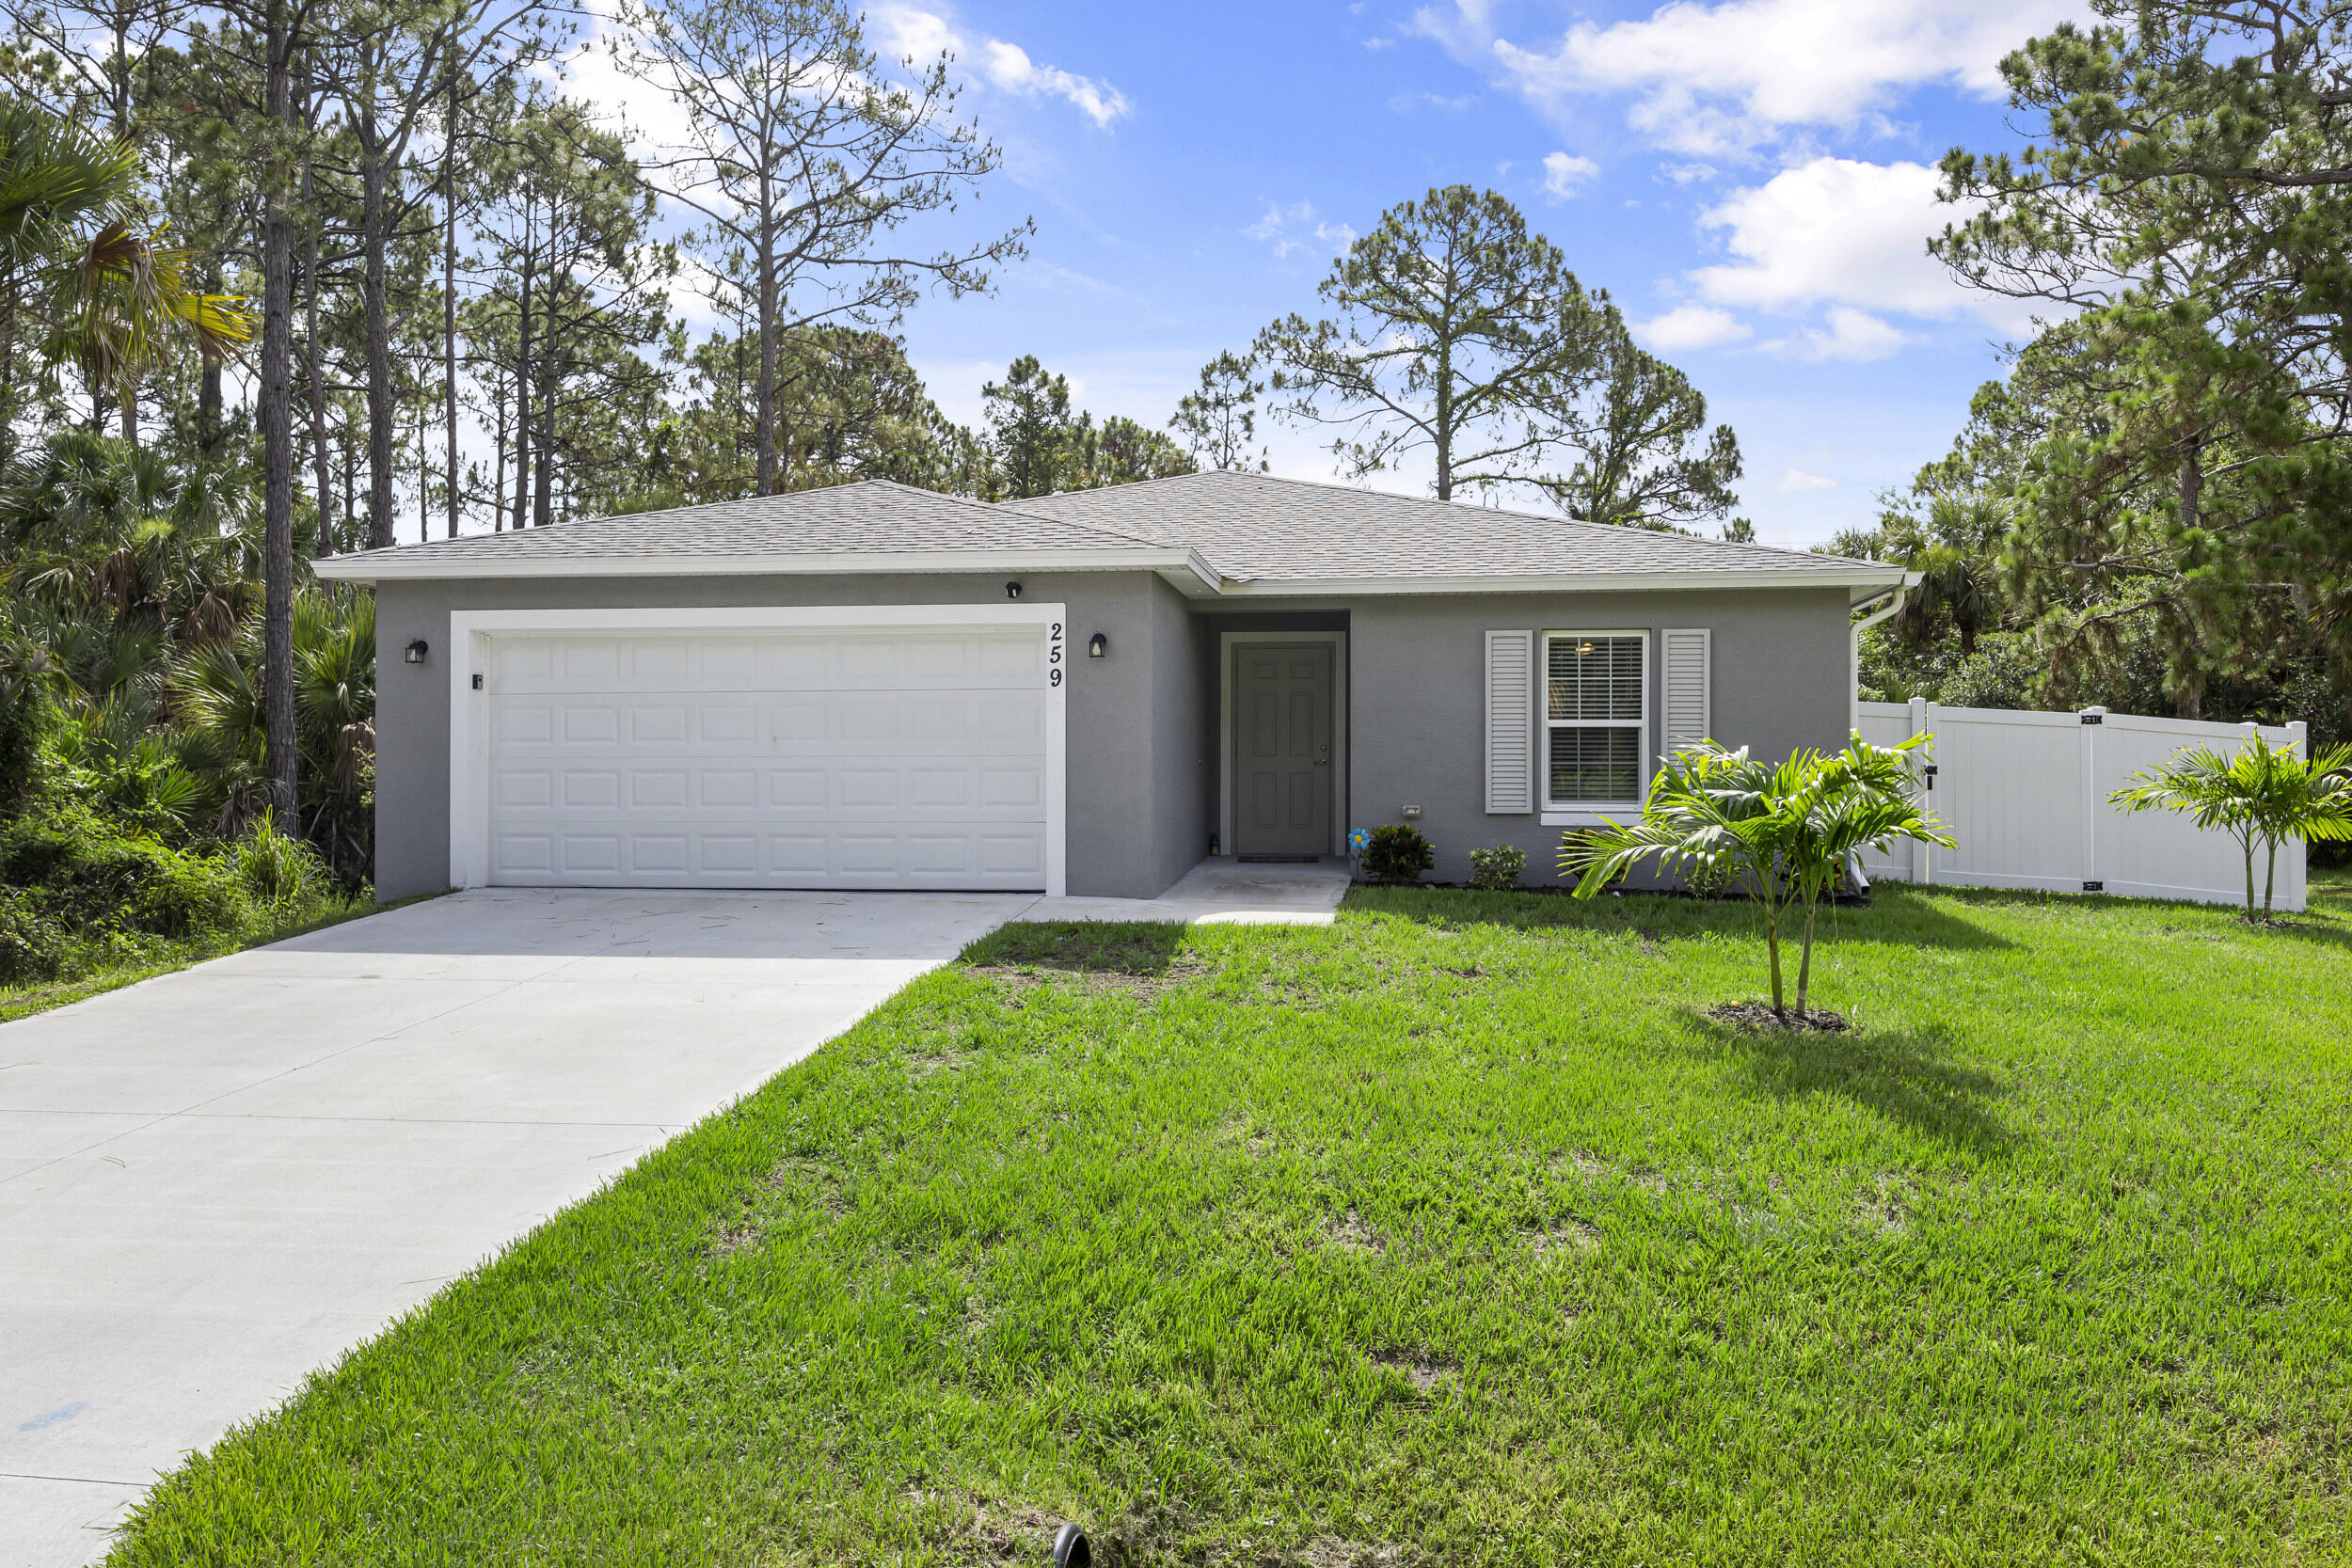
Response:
column 1323, row 761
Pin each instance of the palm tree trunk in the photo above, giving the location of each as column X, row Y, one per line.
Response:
column 1805, row 964
column 2270, row 877
column 1771, row 946
column 2246, row 842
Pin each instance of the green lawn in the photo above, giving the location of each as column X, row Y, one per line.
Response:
column 1454, row 1233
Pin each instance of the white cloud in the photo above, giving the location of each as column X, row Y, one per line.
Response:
column 1834, row 228
column 1688, row 326
column 908, row 31
column 1797, row 479
column 1563, row 172
column 1839, row 241
column 1836, row 231
column 1297, row 227
column 1715, row 78
column 1850, row 334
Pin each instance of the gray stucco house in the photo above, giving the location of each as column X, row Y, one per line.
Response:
column 875, row 686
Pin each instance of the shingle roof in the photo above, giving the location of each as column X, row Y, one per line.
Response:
column 1258, row 528
column 877, row 515
column 1210, row 529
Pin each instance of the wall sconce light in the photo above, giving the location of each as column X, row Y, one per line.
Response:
column 417, row 651
column 1012, row 591
column 1098, row 645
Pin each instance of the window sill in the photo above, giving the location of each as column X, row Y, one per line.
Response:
column 1589, row 816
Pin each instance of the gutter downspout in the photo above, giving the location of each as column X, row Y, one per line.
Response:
column 1856, row 877
column 1901, row 591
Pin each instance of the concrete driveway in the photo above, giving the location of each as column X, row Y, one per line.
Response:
column 216, row 1181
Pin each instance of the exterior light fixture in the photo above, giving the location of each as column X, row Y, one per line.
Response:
column 1012, row 591
column 1098, row 645
column 417, row 651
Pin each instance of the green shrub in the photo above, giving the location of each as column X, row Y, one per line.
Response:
column 1397, row 853
column 1499, row 868
column 279, row 871
column 81, row 891
column 26, row 719
column 1710, row 879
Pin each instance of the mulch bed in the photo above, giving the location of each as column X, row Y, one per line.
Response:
column 1758, row 1016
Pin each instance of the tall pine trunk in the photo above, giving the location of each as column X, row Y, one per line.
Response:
column 522, row 376
column 274, row 410
column 322, row 471
column 449, row 292
column 765, row 481
column 374, row 240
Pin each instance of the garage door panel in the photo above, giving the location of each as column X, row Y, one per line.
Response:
column 726, row 723
column 522, row 786
column 588, row 724
column 653, row 788
column 737, row 787
column 590, row 789
column 862, row 758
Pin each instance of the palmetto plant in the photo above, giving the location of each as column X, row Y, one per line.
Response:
column 108, row 299
column 2261, row 797
column 92, row 526
column 216, row 695
column 1781, row 832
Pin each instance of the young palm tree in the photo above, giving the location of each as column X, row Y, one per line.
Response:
column 2265, row 795
column 1782, row 833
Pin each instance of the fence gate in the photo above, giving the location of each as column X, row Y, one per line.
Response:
column 2026, row 794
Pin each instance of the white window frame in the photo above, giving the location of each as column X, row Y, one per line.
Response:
column 472, row 630
column 1587, row 814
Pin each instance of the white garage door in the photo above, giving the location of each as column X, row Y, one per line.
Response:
column 802, row 758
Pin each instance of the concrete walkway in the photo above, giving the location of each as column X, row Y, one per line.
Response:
column 214, row 1181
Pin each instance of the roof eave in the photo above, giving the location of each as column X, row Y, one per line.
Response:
column 1184, row 569
column 1581, row 582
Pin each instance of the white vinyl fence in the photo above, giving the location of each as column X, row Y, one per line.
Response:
column 2026, row 794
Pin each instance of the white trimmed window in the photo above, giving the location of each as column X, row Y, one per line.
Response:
column 1595, row 719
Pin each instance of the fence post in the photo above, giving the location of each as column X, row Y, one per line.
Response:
column 1922, row 855
column 2094, row 720
column 2297, row 851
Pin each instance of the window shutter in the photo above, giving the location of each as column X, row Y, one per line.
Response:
column 1689, row 716
column 1510, row 722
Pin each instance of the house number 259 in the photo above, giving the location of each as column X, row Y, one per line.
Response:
column 1053, row 656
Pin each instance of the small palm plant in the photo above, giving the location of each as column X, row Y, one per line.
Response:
column 1782, row 833
column 2263, row 796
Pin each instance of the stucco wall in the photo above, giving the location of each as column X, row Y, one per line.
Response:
column 1123, row 718
column 1418, row 695
column 1142, row 722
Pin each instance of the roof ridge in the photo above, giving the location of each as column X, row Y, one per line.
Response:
column 1067, row 522
column 1599, row 530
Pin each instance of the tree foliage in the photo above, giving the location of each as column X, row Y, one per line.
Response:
column 2182, row 214
column 1218, row 419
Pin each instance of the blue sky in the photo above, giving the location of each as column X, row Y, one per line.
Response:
column 1750, row 179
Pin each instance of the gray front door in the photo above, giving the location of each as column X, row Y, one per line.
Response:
column 1283, row 749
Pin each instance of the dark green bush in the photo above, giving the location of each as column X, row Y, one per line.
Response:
column 1498, row 870
column 26, row 719
column 80, row 890
column 1397, row 853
